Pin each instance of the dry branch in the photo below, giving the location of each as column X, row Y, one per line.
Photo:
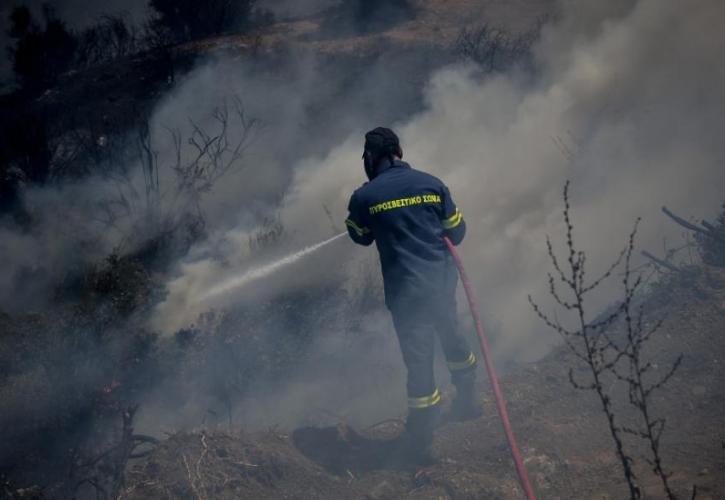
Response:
column 607, row 357
column 590, row 342
column 682, row 222
column 661, row 262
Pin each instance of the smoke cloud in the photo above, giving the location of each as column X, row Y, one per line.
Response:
column 627, row 103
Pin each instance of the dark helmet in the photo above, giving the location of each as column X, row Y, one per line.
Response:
column 380, row 143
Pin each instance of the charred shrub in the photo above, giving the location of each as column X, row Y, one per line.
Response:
column 40, row 54
column 67, row 378
column 612, row 347
column 494, row 49
column 366, row 16
column 187, row 20
column 120, row 283
column 70, row 374
column 712, row 243
column 374, row 15
column 709, row 238
column 111, row 38
column 227, row 356
column 26, row 157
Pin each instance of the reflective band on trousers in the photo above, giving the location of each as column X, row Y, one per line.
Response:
column 453, row 221
column 425, row 401
column 462, row 365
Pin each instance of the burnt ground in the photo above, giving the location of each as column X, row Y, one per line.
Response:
column 561, row 432
column 115, row 94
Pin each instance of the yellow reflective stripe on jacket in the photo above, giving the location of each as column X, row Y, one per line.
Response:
column 425, row 401
column 453, row 220
column 359, row 230
column 462, row 365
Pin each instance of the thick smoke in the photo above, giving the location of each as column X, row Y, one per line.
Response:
column 627, row 104
column 628, row 109
column 626, row 101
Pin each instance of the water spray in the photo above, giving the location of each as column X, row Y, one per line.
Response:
column 262, row 271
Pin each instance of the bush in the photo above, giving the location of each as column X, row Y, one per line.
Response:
column 712, row 243
column 366, row 16
column 494, row 49
column 226, row 356
column 613, row 346
column 379, row 14
column 187, row 20
column 40, row 56
column 113, row 37
column 68, row 375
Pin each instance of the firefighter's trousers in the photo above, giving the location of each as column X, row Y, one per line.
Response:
column 418, row 321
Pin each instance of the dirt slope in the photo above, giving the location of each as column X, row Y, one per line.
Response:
column 562, row 433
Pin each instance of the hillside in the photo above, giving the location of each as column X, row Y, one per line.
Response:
column 562, row 433
column 134, row 190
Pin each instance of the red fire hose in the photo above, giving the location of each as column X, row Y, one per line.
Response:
column 523, row 477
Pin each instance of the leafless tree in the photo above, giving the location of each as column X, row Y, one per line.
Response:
column 104, row 472
column 609, row 355
column 637, row 373
column 113, row 37
column 170, row 194
column 588, row 339
column 494, row 49
column 709, row 236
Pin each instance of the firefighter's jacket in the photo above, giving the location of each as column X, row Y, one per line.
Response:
column 407, row 212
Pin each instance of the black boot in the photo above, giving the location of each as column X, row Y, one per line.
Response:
column 466, row 405
column 418, row 437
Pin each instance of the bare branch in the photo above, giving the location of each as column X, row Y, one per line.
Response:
column 664, row 378
column 682, row 222
column 661, row 262
column 606, row 274
column 591, row 343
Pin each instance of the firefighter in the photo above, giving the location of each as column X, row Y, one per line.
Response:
column 407, row 213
